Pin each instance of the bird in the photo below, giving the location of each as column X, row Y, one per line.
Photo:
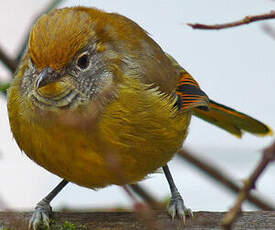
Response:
column 96, row 101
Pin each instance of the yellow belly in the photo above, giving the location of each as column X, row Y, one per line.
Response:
column 137, row 133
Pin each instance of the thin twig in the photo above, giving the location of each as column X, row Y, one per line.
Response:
column 224, row 179
column 146, row 196
column 246, row 20
column 7, row 61
column 249, row 184
column 130, row 194
column 143, row 210
column 48, row 8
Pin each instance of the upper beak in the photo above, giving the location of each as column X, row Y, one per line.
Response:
column 46, row 76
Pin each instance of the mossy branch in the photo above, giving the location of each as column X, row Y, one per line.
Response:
column 132, row 221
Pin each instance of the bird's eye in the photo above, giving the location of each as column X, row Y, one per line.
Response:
column 83, row 61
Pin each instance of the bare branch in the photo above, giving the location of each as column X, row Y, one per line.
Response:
column 224, row 179
column 249, row 184
column 3, row 205
column 146, row 196
column 7, row 61
column 246, row 20
column 143, row 211
column 130, row 220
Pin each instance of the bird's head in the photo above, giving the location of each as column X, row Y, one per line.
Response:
column 70, row 61
column 81, row 56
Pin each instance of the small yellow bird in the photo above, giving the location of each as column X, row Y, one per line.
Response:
column 97, row 102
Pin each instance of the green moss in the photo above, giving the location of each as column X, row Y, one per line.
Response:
column 4, row 228
column 3, row 89
column 67, row 226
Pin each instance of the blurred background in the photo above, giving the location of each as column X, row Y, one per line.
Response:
column 233, row 66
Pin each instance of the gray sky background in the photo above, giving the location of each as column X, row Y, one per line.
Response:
column 234, row 67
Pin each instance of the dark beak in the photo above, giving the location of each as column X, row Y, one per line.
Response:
column 47, row 75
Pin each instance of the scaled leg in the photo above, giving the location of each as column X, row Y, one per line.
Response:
column 176, row 205
column 43, row 210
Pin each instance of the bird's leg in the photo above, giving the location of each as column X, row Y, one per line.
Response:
column 43, row 210
column 176, row 204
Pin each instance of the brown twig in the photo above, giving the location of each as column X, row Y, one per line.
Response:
column 146, row 196
column 223, row 179
column 249, row 184
column 130, row 194
column 7, row 61
column 143, row 211
column 246, row 20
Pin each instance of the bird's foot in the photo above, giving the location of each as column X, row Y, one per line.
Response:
column 41, row 216
column 176, row 207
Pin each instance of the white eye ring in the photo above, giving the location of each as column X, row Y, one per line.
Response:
column 83, row 61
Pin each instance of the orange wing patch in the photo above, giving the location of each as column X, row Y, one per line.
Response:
column 190, row 94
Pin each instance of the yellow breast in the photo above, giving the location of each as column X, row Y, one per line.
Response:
column 136, row 134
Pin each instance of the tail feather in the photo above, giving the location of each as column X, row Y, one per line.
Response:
column 191, row 97
column 231, row 120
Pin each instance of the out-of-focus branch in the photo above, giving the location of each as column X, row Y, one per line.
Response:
column 246, row 20
column 48, row 8
column 269, row 30
column 249, row 184
column 144, row 211
column 3, row 205
column 223, row 179
column 7, row 61
column 147, row 197
column 4, row 87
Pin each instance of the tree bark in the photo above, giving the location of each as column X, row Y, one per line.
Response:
column 158, row 220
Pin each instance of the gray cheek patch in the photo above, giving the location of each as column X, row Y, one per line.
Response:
column 27, row 80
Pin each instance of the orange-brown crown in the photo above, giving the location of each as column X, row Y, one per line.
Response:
column 57, row 36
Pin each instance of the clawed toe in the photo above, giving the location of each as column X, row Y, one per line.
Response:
column 41, row 216
column 176, row 208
